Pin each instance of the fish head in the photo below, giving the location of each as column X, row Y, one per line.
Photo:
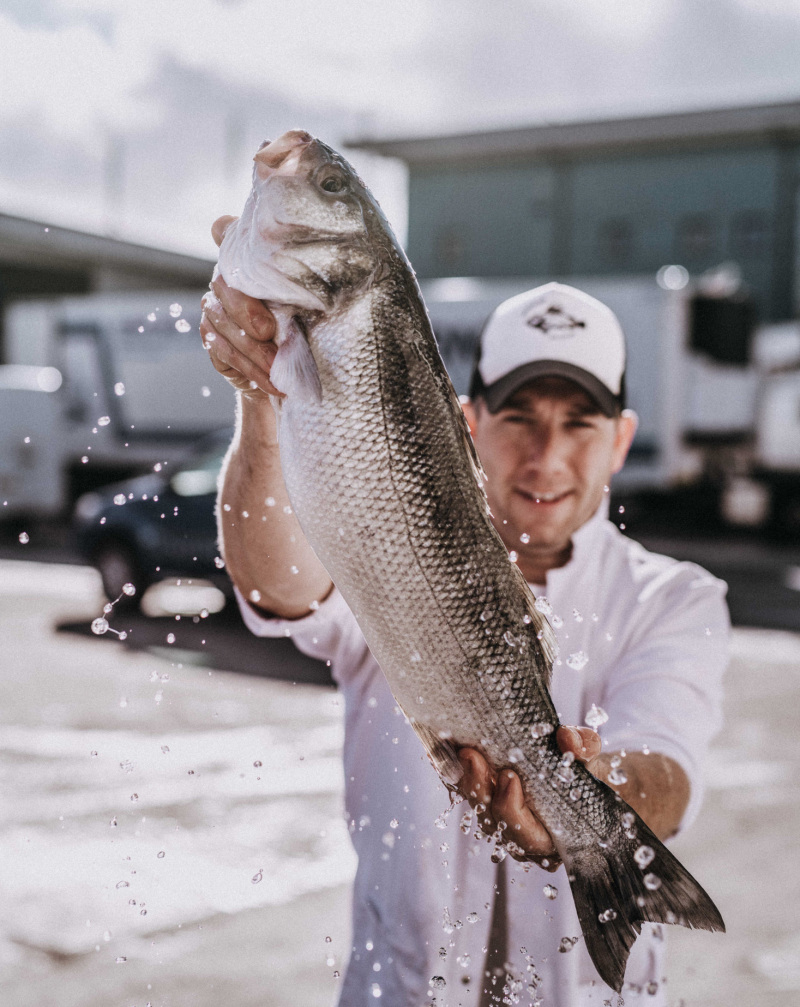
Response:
column 311, row 229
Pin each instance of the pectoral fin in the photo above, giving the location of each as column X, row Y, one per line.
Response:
column 294, row 370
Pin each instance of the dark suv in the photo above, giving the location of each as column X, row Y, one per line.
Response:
column 156, row 526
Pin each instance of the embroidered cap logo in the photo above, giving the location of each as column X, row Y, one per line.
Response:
column 554, row 322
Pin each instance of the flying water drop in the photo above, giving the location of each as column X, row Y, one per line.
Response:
column 596, row 717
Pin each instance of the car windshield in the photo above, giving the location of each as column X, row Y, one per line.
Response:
column 200, row 477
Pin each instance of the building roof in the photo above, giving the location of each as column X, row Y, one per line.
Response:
column 750, row 122
column 25, row 241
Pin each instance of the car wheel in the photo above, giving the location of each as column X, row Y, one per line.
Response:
column 117, row 565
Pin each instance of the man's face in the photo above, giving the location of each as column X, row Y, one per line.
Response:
column 548, row 453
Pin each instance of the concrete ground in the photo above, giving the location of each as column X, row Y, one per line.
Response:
column 112, row 755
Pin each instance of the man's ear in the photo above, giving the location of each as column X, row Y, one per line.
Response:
column 623, row 438
column 469, row 411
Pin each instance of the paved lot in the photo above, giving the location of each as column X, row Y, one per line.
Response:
column 74, row 885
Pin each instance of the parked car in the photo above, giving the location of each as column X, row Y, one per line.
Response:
column 155, row 526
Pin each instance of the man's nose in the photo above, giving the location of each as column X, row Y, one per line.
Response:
column 545, row 448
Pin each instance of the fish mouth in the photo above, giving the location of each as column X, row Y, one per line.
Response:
column 283, row 155
column 294, row 152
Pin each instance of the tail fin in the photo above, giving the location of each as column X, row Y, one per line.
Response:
column 614, row 894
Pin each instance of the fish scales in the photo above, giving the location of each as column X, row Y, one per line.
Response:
column 383, row 478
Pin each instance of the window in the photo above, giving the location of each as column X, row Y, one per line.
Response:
column 615, row 243
column 749, row 231
column 695, row 237
column 450, row 246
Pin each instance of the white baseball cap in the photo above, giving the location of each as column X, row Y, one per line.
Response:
column 557, row 331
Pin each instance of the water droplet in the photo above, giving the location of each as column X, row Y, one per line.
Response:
column 328, row 940
column 205, row 391
column 609, row 914
column 516, row 755
column 578, row 660
column 394, row 823
column 134, row 797
column 120, row 959
column 174, row 310
column 85, row 459
column 541, row 604
column 438, row 982
column 123, row 884
column 165, row 749
column 541, row 730
column 550, row 892
column 596, row 717
column 652, row 987
column 557, row 621
column 628, row 819
column 100, row 626
column 566, row 944
column 255, row 595
column 257, row 877
column 104, row 421
column 644, row 855
column 617, row 777
column 119, row 388
column 24, row 537
column 170, row 638
column 376, row 990
column 294, row 570
column 182, row 325
column 513, row 556
column 498, row 855
column 219, row 562
column 161, row 854
column 652, row 882
column 152, row 316
column 119, row 499
column 473, row 918
column 524, row 538
column 113, row 823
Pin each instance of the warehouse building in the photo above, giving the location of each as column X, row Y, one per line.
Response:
column 622, row 196
column 42, row 260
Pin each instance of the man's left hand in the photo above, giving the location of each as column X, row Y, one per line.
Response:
column 500, row 796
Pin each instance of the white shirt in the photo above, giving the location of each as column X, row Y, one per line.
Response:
column 642, row 636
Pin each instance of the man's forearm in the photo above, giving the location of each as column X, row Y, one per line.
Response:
column 655, row 787
column 265, row 551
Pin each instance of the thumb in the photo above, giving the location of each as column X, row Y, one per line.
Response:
column 583, row 742
column 220, row 226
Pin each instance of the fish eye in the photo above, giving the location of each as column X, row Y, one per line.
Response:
column 333, row 183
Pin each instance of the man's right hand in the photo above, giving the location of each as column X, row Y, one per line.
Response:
column 239, row 332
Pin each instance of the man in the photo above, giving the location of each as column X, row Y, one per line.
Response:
column 641, row 637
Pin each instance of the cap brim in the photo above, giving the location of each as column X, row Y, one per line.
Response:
column 496, row 394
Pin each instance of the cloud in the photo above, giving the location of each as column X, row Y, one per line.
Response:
column 180, row 94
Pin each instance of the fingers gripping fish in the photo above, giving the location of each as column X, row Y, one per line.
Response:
column 385, row 482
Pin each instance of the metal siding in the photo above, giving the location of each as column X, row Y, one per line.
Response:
column 488, row 221
column 658, row 194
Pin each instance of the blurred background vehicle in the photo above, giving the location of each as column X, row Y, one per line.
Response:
column 99, row 388
column 155, row 526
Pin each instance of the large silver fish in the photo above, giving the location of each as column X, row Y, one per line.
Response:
column 384, row 480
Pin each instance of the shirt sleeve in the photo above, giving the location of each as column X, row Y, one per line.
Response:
column 665, row 695
column 330, row 633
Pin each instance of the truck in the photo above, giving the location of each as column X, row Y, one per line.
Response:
column 98, row 388
column 717, row 395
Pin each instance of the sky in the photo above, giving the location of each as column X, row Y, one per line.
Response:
column 139, row 118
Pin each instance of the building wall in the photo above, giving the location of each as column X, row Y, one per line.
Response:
column 613, row 213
